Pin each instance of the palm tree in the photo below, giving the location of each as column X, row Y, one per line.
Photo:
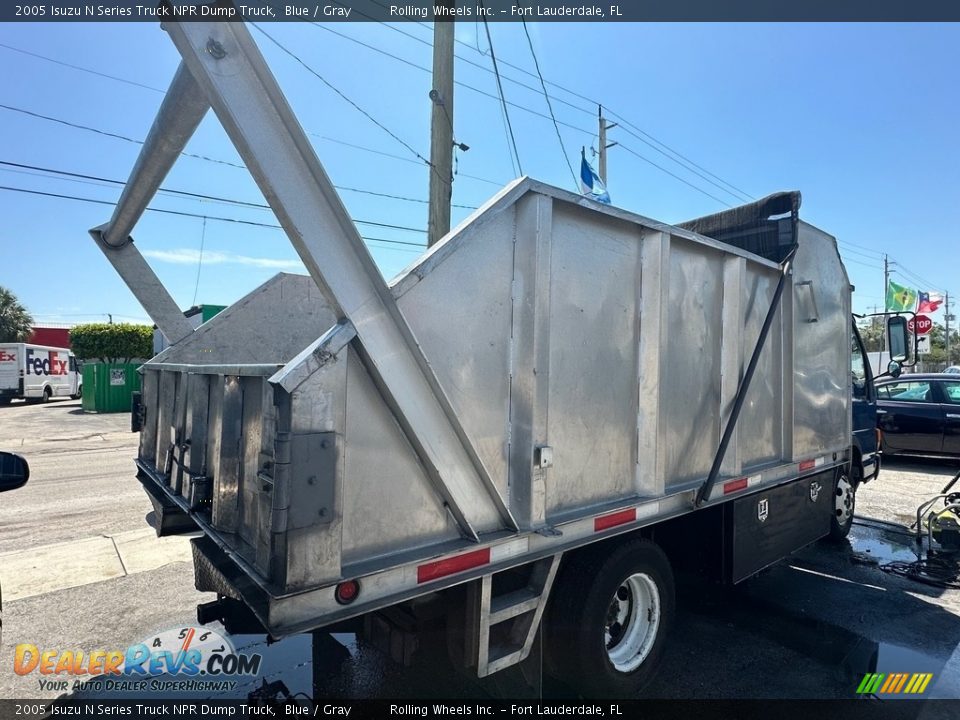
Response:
column 16, row 323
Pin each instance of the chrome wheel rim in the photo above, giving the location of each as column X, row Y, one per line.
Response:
column 843, row 500
column 632, row 622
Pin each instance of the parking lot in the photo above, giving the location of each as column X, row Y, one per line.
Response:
column 81, row 568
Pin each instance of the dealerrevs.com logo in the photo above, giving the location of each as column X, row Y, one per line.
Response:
column 182, row 659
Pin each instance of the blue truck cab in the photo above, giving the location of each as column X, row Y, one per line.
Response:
column 865, row 463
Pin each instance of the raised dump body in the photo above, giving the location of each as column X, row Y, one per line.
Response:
column 554, row 372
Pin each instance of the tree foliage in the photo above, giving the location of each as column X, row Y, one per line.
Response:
column 16, row 324
column 111, row 343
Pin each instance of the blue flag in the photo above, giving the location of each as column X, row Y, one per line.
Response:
column 591, row 184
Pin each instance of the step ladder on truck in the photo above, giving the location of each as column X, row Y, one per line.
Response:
column 532, row 425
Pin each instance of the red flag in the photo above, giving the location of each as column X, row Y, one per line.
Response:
column 928, row 302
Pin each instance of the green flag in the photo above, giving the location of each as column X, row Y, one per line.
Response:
column 900, row 298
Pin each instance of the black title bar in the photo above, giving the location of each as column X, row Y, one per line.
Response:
column 490, row 10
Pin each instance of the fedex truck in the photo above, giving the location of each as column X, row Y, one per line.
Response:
column 38, row 372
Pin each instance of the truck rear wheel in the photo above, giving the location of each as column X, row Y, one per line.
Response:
column 608, row 617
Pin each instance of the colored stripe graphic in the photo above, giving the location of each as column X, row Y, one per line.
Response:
column 900, row 683
column 894, row 683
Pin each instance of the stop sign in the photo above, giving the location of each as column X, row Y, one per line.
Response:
column 920, row 325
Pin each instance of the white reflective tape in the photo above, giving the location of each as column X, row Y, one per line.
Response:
column 507, row 550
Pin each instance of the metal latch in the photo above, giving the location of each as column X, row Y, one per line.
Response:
column 543, row 457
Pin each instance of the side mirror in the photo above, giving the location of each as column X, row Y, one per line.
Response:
column 894, row 369
column 898, row 338
column 14, row 471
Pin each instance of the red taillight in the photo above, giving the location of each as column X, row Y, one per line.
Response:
column 347, row 592
column 807, row 465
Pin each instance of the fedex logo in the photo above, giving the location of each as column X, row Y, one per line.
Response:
column 52, row 365
column 7, row 356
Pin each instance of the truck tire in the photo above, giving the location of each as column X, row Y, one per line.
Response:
column 609, row 614
column 845, row 502
column 47, row 394
column 77, row 395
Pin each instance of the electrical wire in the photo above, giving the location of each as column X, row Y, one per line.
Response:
column 201, row 196
column 673, row 175
column 346, row 99
column 182, row 213
column 622, row 119
column 679, row 158
column 503, row 99
column 546, row 96
column 528, row 110
column 116, row 136
column 83, row 69
column 203, row 237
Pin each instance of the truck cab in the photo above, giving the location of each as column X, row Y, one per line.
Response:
column 866, row 456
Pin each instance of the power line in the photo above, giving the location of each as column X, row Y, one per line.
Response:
column 546, row 96
column 673, row 175
column 125, row 138
column 629, row 128
column 913, row 277
column 181, row 213
column 623, row 120
column 82, row 69
column 196, row 196
column 203, row 237
column 862, row 247
column 503, row 100
column 350, row 102
column 111, row 134
column 861, row 262
column 869, row 256
column 528, row 110
column 593, row 103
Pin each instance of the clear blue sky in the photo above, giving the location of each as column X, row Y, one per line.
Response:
column 861, row 118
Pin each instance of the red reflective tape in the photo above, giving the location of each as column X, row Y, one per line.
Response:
column 613, row 519
column 808, row 465
column 455, row 564
column 734, row 485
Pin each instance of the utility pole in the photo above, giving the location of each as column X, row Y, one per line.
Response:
column 946, row 319
column 441, row 127
column 604, row 126
column 886, row 288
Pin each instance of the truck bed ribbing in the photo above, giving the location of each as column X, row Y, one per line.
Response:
column 553, row 372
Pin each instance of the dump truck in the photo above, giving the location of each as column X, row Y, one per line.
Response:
column 534, row 425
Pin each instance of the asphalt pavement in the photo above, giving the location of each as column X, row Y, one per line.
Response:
column 81, row 568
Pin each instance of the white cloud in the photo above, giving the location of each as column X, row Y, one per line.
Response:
column 189, row 256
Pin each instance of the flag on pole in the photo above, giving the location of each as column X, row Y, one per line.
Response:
column 929, row 302
column 590, row 182
column 900, row 298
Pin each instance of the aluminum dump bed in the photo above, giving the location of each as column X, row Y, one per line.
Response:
column 552, row 372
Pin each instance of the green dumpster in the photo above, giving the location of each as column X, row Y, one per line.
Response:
column 107, row 387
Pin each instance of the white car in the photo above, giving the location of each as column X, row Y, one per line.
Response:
column 953, row 370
